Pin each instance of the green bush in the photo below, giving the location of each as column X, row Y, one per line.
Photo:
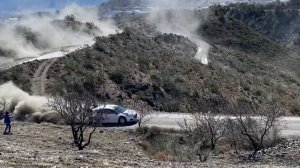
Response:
column 144, row 63
column 295, row 108
column 117, row 74
column 170, row 106
column 212, row 84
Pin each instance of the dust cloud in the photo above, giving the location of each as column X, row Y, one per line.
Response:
column 32, row 34
column 21, row 104
column 182, row 18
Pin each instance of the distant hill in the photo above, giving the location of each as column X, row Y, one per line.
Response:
column 277, row 23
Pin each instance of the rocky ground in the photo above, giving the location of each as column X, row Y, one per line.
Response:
column 47, row 145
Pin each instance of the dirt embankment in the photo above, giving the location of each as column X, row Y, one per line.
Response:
column 47, row 145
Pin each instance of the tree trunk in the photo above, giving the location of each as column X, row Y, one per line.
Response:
column 202, row 158
column 212, row 144
column 80, row 146
column 254, row 153
column 75, row 134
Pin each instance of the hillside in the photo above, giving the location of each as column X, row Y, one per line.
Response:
column 238, row 108
column 161, row 70
column 278, row 23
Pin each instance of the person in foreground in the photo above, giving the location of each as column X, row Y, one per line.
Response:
column 7, row 121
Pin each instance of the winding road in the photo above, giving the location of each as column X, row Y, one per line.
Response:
column 39, row 80
column 55, row 53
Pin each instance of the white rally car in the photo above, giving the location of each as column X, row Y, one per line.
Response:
column 114, row 114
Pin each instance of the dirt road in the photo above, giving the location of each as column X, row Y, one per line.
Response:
column 290, row 125
column 39, row 80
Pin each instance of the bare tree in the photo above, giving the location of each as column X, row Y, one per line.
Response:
column 144, row 113
column 255, row 123
column 3, row 106
column 233, row 135
column 75, row 110
column 204, row 131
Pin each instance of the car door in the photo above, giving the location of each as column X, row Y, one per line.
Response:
column 110, row 116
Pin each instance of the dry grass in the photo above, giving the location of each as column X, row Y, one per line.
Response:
column 47, row 145
column 161, row 156
column 145, row 145
column 157, row 130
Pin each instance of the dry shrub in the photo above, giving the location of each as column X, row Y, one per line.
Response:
column 79, row 116
column 145, row 145
column 3, row 107
column 3, row 103
column 295, row 108
column 223, row 147
column 273, row 138
column 142, row 130
column 161, row 156
column 144, row 112
column 151, row 131
column 171, row 131
column 1, row 115
column 203, row 133
column 157, row 130
column 255, row 123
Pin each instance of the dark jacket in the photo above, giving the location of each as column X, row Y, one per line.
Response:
column 7, row 119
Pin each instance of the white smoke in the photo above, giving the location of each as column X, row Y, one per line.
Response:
column 202, row 51
column 107, row 27
column 51, row 35
column 21, row 102
column 180, row 17
column 5, row 60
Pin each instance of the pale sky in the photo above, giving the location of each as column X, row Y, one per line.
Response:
column 16, row 6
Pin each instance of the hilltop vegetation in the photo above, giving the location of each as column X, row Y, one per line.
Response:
column 231, row 33
column 275, row 20
column 117, row 4
column 279, row 23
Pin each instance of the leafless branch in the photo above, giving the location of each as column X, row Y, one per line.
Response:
column 76, row 111
column 3, row 106
column 144, row 113
column 254, row 122
column 204, row 132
